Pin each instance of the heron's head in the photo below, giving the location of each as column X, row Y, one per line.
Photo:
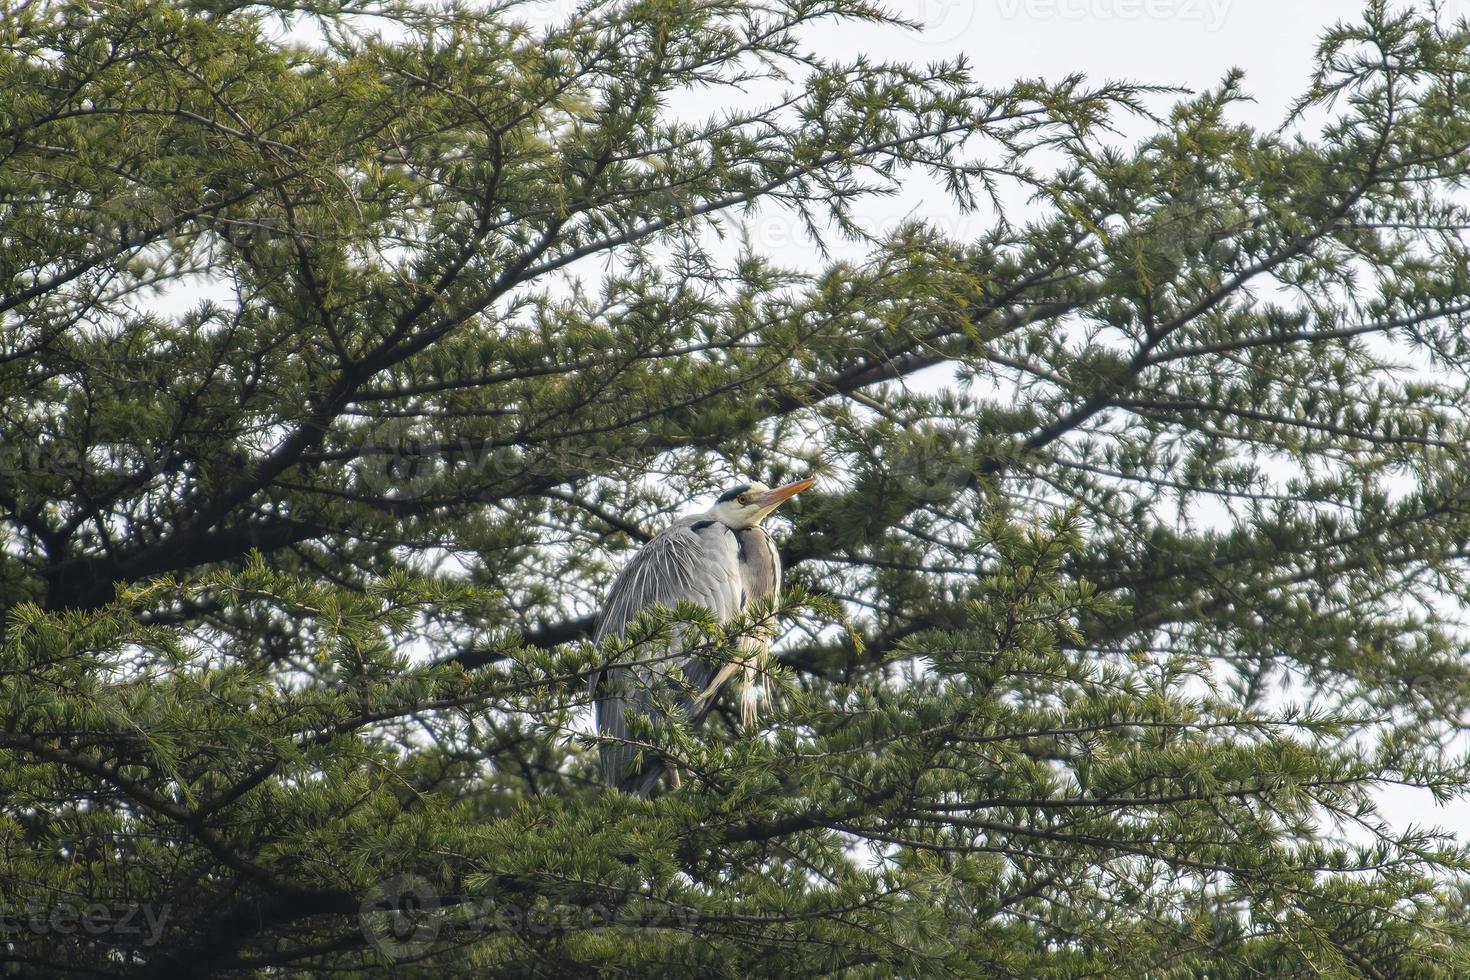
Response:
column 750, row 503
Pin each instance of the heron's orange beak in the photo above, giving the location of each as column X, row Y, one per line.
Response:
column 779, row 495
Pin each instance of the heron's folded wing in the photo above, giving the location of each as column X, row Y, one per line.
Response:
column 696, row 561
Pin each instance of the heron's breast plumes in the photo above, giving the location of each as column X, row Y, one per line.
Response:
column 753, row 690
column 752, row 663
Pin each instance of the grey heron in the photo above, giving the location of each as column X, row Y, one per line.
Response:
column 723, row 560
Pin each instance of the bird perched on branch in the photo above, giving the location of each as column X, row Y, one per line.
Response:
column 722, row 560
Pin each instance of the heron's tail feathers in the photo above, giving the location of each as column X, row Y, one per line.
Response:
column 618, row 769
column 642, row 782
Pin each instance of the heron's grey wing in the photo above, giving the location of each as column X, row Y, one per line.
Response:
column 694, row 560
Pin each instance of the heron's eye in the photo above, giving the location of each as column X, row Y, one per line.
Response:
column 744, row 498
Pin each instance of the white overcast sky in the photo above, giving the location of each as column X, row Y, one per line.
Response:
column 1187, row 43
column 1179, row 42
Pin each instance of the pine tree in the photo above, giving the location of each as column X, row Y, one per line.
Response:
column 347, row 349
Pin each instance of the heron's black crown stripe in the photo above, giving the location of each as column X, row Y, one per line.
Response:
column 732, row 494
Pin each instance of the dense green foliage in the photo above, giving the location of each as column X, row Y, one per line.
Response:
column 346, row 349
